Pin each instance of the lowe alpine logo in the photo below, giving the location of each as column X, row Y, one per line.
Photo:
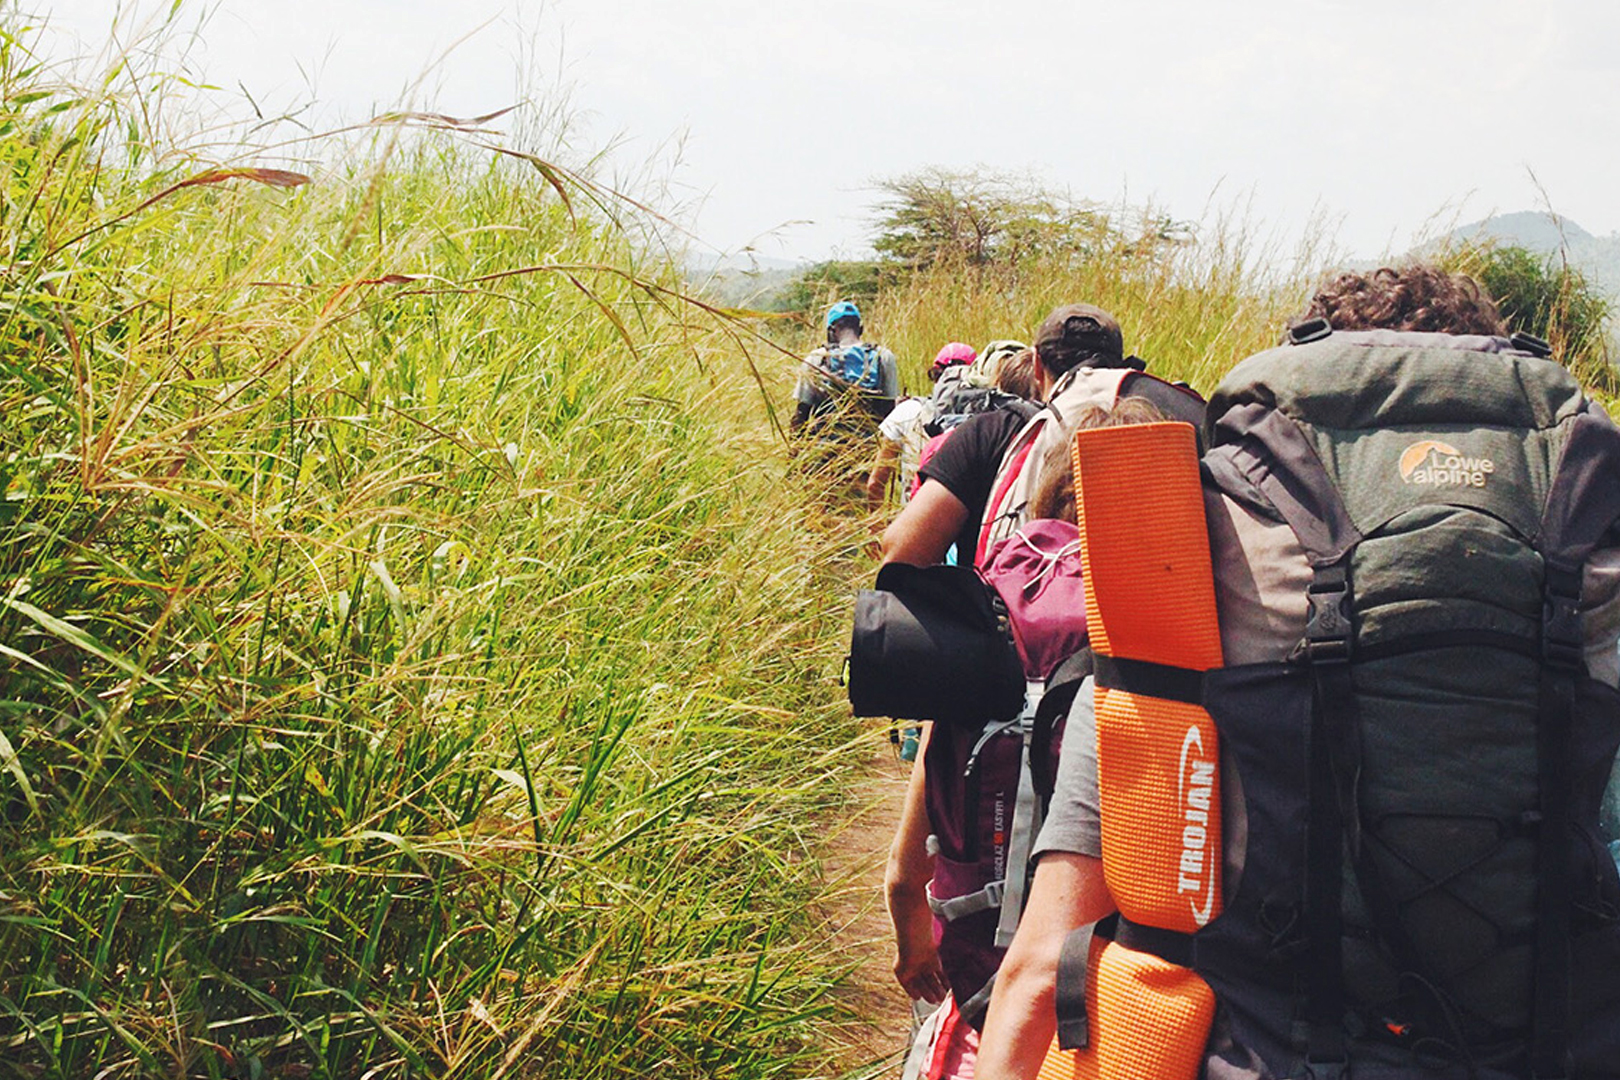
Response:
column 1439, row 464
column 1196, row 780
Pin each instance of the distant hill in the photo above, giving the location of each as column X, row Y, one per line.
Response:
column 1598, row 257
column 744, row 280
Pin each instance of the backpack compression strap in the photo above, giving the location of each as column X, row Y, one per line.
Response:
column 1583, row 508
column 1265, row 450
column 1018, row 473
column 1150, row 607
column 1009, row 476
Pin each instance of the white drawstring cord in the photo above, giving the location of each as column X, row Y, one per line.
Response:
column 1051, row 558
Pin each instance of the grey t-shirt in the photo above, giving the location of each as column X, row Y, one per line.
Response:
column 1074, row 822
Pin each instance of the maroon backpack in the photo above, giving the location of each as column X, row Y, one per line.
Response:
column 988, row 783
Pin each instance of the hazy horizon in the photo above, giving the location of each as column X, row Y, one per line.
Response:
column 1380, row 122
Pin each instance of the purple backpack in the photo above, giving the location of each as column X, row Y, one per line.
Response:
column 987, row 786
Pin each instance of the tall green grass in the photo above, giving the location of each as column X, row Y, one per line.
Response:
column 1191, row 306
column 416, row 647
column 412, row 657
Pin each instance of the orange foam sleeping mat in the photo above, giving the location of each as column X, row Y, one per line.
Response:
column 1150, row 600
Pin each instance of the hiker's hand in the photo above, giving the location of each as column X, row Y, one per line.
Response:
column 875, row 492
column 919, row 974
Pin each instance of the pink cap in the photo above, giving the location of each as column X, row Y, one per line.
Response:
column 950, row 355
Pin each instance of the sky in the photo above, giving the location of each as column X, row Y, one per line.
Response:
column 769, row 123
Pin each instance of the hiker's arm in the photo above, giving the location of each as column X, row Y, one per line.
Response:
column 1069, row 891
column 924, row 530
column 888, row 455
column 905, row 886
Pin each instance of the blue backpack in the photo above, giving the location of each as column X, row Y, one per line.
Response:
column 857, row 365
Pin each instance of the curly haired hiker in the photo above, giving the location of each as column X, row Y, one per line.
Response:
column 1354, row 722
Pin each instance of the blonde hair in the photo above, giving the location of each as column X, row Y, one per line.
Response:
column 1016, row 375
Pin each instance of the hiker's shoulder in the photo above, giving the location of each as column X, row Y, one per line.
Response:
column 907, row 412
column 993, row 429
column 974, row 447
column 819, row 357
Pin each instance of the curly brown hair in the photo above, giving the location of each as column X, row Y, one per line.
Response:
column 1416, row 297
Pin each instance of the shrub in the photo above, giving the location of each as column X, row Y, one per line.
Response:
column 1545, row 296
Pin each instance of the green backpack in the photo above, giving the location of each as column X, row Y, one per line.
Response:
column 1425, row 889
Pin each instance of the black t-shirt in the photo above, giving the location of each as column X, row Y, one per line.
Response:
column 966, row 464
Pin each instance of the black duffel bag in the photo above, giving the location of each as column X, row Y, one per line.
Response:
column 932, row 643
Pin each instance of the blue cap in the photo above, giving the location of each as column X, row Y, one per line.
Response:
column 843, row 310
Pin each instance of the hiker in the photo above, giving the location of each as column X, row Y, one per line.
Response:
column 1003, row 377
column 846, row 385
column 1073, row 342
column 900, row 435
column 986, row 370
column 1010, row 372
column 1079, row 345
column 957, row 866
column 1005, row 365
column 1403, row 494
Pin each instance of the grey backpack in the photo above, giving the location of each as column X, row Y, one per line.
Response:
column 1426, row 888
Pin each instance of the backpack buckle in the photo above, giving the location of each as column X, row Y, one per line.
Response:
column 1326, row 1070
column 1328, row 627
column 1531, row 344
column 1310, row 330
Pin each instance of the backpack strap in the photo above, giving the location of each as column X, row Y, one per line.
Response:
column 1073, row 1021
column 1079, row 388
column 1026, row 822
column 1535, row 346
column 960, row 907
column 1270, row 455
column 1061, row 689
column 1008, row 475
column 1583, row 508
column 1269, row 451
column 1308, row 331
column 973, row 1010
column 1562, row 663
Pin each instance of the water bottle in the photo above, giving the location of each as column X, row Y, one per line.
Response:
column 908, row 743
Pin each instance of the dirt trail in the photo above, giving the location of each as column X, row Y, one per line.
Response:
column 872, row 1045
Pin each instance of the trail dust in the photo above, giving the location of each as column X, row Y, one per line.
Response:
column 872, row 1044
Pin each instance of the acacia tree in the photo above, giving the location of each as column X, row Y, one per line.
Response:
column 978, row 217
